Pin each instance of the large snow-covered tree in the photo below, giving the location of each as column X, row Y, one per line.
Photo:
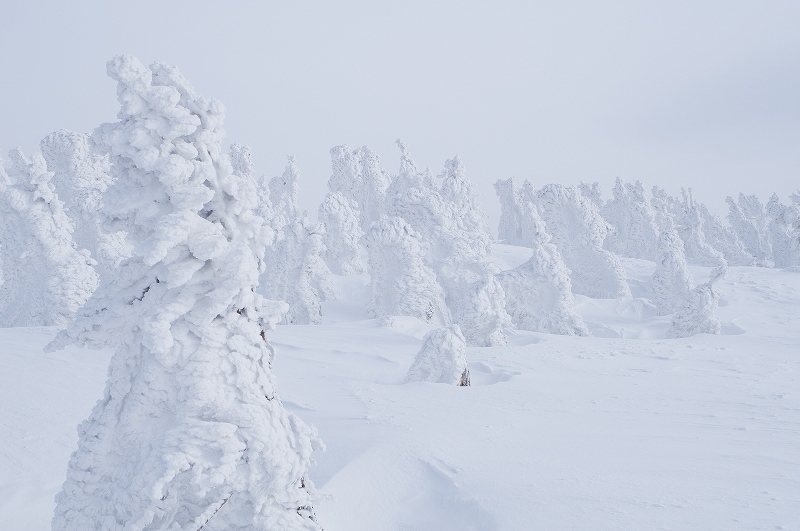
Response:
column 191, row 431
column 578, row 231
column 442, row 358
column 635, row 233
column 45, row 278
column 748, row 220
column 671, row 282
column 697, row 314
column 538, row 293
column 400, row 281
column 342, row 234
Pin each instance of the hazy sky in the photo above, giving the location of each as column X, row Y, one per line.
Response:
column 700, row 94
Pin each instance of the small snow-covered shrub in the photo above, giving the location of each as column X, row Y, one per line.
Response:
column 342, row 234
column 191, row 429
column 671, row 282
column 401, row 283
column 697, row 314
column 442, row 358
column 45, row 278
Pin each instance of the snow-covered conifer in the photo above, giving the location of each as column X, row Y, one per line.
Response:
column 779, row 229
column 510, row 228
column 538, row 293
column 635, row 233
column 191, row 432
column 469, row 219
column 401, row 283
column 592, row 192
column 358, row 176
column 578, row 231
column 442, row 358
column 748, row 231
column 671, row 282
column 342, row 234
column 697, row 314
column 283, row 191
column 45, row 278
column 722, row 238
column 689, row 225
column 297, row 272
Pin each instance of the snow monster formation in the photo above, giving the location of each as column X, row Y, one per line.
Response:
column 538, row 293
column 671, row 282
column 578, row 232
column 81, row 176
column 342, row 234
column 442, row 358
column 45, row 278
column 635, row 233
column 401, row 283
column 191, row 432
column 697, row 314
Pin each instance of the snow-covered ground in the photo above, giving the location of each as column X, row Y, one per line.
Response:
column 622, row 430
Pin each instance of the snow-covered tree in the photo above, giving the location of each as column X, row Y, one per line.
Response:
column 671, row 282
column 635, row 233
column 690, row 227
column 469, row 219
column 538, row 293
column 442, row 358
column 779, row 230
column 81, row 176
column 697, row 314
column 748, row 221
column 722, row 238
column 297, row 272
column 481, row 310
column 510, row 228
column 342, row 234
column 401, row 283
column 665, row 208
column 191, row 430
column 45, row 278
column 592, row 192
column 358, row 176
column 578, row 231
column 283, row 191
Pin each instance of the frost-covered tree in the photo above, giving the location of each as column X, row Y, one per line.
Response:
column 243, row 168
column 592, row 192
column 191, row 432
column 748, row 220
column 297, row 272
column 342, row 234
column 690, row 227
column 510, row 228
column 455, row 237
column 697, row 314
column 722, row 238
column 358, row 176
column 671, row 282
column 665, row 208
column 45, row 278
column 538, row 293
column 81, row 176
column 635, row 233
column 283, row 191
column 578, row 231
column 442, row 358
column 401, row 283
column 779, row 230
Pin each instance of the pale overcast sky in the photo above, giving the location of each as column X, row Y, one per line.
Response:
column 681, row 93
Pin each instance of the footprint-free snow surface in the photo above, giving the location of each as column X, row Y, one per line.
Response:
column 621, row 430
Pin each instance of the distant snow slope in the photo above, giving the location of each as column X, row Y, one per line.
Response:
column 624, row 430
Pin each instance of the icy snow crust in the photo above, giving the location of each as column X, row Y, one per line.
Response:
column 627, row 431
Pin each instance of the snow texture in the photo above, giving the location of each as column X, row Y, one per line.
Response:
column 45, row 278
column 401, row 283
column 191, row 431
column 342, row 234
column 671, row 282
column 442, row 358
column 578, row 231
column 697, row 314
